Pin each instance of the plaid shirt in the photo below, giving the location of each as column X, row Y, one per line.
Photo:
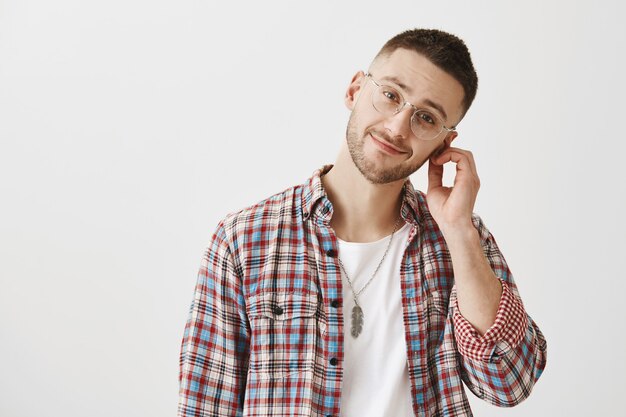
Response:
column 265, row 331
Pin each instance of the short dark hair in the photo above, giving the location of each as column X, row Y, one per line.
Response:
column 443, row 49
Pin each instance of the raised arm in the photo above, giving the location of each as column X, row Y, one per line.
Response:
column 502, row 363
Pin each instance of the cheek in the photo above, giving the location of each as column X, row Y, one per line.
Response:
column 423, row 151
column 366, row 119
column 436, row 151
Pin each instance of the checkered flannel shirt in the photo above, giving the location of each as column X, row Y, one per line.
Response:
column 265, row 331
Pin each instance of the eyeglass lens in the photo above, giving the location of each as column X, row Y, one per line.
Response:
column 388, row 101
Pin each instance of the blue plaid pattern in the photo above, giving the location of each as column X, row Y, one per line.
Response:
column 265, row 330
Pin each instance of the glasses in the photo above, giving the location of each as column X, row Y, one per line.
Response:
column 388, row 101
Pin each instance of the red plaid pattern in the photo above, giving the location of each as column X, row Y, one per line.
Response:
column 506, row 332
column 265, row 330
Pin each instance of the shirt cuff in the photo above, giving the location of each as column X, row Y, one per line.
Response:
column 505, row 334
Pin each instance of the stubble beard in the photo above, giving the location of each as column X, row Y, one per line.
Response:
column 367, row 167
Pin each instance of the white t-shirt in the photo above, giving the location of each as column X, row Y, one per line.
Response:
column 376, row 379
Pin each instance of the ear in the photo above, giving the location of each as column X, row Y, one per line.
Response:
column 449, row 138
column 446, row 143
column 352, row 93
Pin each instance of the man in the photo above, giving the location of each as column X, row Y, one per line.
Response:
column 354, row 294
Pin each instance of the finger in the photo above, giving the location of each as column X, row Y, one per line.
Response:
column 452, row 155
column 470, row 158
column 435, row 175
column 465, row 168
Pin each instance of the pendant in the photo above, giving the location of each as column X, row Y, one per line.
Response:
column 357, row 321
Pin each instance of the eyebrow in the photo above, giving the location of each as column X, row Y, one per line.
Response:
column 427, row 101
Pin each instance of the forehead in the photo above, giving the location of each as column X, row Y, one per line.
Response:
column 420, row 81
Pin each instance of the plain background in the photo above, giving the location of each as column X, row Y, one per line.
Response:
column 129, row 128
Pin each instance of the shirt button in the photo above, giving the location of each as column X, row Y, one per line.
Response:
column 335, row 303
column 325, row 210
column 331, row 252
column 278, row 310
column 333, row 361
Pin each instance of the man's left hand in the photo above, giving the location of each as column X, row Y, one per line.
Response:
column 452, row 207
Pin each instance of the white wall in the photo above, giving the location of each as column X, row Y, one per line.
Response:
column 128, row 128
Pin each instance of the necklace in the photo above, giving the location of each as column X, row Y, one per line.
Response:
column 357, row 311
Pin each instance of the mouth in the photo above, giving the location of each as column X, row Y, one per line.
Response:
column 385, row 146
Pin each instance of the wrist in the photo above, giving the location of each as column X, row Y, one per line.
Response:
column 464, row 230
column 461, row 236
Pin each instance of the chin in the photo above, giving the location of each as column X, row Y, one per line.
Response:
column 376, row 175
column 370, row 162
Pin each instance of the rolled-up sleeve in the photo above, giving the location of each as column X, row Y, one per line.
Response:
column 502, row 365
column 506, row 332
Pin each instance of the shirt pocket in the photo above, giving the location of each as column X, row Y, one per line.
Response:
column 284, row 331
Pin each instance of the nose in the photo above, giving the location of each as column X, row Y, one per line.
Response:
column 399, row 124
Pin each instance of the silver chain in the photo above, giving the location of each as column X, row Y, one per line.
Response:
column 343, row 268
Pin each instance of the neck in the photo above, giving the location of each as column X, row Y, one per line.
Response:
column 362, row 211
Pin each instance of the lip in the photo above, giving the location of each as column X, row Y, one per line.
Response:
column 382, row 144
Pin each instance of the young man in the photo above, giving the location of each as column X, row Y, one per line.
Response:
column 354, row 294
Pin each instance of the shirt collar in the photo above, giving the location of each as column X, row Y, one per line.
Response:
column 413, row 204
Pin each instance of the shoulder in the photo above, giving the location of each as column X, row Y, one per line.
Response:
column 265, row 215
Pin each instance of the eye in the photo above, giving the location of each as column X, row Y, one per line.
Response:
column 426, row 117
column 391, row 95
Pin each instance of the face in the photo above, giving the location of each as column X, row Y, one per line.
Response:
column 384, row 149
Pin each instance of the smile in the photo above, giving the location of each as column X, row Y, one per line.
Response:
column 381, row 144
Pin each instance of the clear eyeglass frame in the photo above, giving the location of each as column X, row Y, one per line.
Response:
column 430, row 126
